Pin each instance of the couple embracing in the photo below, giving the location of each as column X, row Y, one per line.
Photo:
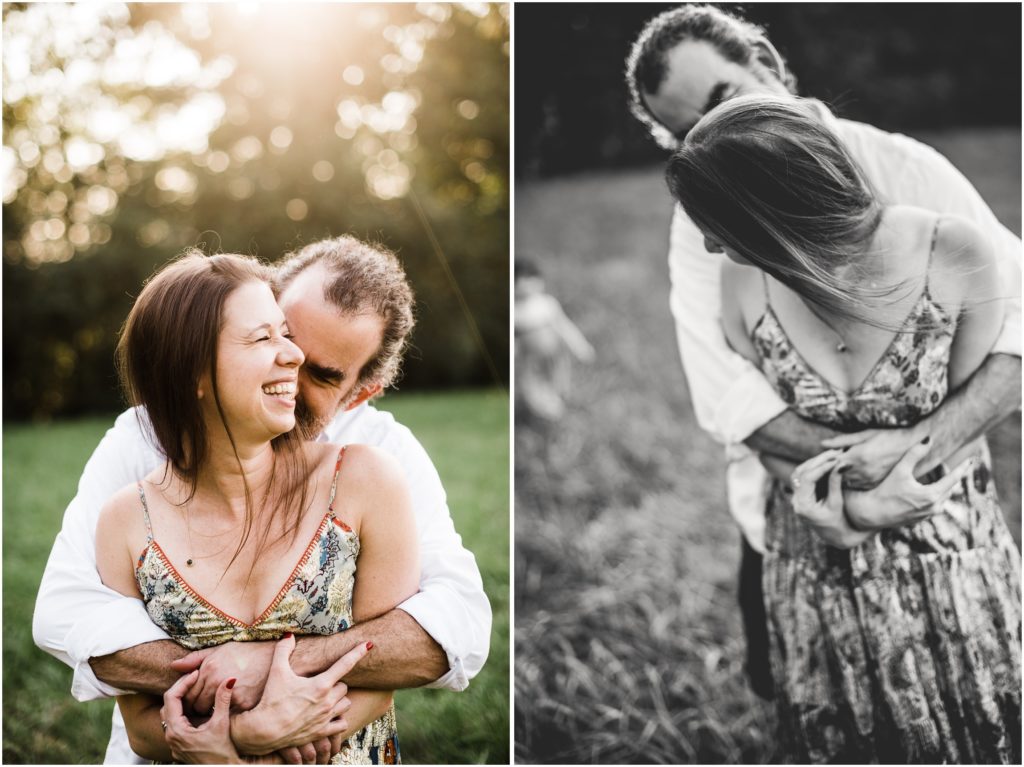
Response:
column 206, row 572
column 851, row 348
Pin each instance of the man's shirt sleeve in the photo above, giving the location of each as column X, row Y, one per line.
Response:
column 731, row 398
column 77, row 617
column 451, row 605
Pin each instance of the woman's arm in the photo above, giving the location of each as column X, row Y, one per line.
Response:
column 965, row 279
column 367, row 706
column 120, row 524
column 737, row 294
column 142, row 721
column 387, row 571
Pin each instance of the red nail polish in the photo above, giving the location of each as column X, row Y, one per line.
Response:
column 926, row 440
column 231, row 683
column 287, row 635
column 369, row 645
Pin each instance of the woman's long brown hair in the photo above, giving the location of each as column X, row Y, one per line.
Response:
column 765, row 176
column 167, row 343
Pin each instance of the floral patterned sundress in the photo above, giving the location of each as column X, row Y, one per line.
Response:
column 907, row 647
column 316, row 599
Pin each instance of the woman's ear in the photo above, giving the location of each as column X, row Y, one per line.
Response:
column 203, row 385
column 767, row 55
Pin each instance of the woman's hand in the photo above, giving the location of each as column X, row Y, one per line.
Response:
column 296, row 710
column 900, row 499
column 872, row 454
column 210, row 742
column 825, row 516
column 247, row 662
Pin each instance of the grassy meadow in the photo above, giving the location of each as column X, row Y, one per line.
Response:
column 628, row 640
column 465, row 433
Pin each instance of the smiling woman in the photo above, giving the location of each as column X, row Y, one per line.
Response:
column 136, row 131
column 240, row 499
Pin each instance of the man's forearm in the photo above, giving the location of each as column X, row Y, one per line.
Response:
column 989, row 396
column 790, row 437
column 143, row 668
column 404, row 655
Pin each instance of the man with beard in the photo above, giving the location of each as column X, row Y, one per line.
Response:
column 349, row 308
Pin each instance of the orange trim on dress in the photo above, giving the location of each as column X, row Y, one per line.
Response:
column 277, row 599
column 152, row 544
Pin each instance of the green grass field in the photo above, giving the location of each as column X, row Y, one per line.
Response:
column 628, row 639
column 466, row 434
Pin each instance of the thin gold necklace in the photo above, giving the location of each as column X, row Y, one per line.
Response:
column 188, row 536
column 841, row 346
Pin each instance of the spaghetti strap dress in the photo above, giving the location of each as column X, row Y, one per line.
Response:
column 316, row 599
column 905, row 649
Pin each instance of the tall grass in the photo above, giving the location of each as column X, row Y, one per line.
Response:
column 629, row 645
column 466, row 433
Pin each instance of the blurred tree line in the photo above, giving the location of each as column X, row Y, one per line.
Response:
column 134, row 131
column 899, row 66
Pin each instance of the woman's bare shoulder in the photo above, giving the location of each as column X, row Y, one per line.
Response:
column 743, row 291
column 368, row 465
column 122, row 507
column 121, row 525
column 963, row 263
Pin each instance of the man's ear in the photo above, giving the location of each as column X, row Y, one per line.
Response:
column 770, row 57
column 366, row 393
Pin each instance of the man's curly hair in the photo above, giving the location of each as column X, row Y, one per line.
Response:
column 646, row 66
column 362, row 279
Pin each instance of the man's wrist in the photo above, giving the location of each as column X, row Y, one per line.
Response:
column 312, row 653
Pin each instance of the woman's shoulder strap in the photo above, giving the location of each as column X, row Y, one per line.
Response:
column 935, row 239
column 334, row 482
column 145, row 513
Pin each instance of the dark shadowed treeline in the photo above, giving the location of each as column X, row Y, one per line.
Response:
column 899, row 66
column 134, row 131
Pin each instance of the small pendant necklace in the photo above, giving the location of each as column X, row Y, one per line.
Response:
column 190, row 560
column 840, row 346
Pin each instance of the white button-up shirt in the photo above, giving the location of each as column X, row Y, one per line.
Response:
column 731, row 398
column 77, row 617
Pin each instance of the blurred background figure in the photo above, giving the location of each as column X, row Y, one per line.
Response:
column 546, row 342
column 629, row 645
column 133, row 131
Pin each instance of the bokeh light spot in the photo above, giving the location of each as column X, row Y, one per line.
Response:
column 280, row 138
column 353, row 75
column 468, row 109
column 323, row 171
column 296, row 209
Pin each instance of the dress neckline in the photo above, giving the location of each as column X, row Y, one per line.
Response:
column 329, row 516
column 923, row 298
column 915, row 310
column 153, row 545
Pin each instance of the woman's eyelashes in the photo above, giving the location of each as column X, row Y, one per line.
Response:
column 284, row 334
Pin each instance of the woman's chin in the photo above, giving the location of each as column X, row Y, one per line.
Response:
column 736, row 258
column 284, row 426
